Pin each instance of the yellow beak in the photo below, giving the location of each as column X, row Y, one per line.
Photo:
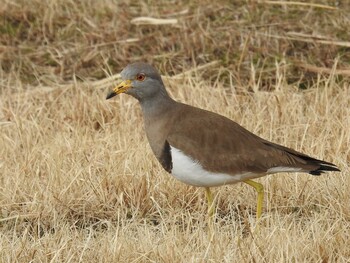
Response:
column 120, row 88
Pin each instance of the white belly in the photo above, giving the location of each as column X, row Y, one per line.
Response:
column 190, row 172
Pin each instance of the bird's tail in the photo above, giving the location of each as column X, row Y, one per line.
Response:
column 308, row 164
column 324, row 167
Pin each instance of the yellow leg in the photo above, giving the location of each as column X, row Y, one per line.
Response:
column 260, row 190
column 210, row 200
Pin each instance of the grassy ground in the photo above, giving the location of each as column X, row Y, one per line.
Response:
column 78, row 181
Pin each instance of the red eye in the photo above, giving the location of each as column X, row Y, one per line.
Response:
column 140, row 77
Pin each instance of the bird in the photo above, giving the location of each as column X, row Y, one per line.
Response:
column 202, row 148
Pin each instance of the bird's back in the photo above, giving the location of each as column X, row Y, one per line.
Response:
column 223, row 146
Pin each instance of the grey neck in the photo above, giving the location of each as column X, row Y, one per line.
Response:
column 157, row 105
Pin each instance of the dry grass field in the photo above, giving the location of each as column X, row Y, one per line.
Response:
column 78, row 181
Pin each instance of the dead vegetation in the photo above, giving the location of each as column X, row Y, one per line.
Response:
column 78, row 180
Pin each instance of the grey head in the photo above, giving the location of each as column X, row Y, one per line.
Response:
column 140, row 80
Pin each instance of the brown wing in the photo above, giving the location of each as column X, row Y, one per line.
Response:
column 222, row 145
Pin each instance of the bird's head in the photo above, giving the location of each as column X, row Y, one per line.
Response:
column 139, row 80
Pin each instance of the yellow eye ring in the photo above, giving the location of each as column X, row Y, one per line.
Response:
column 140, row 77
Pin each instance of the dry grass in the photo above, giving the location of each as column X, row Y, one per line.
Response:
column 78, row 180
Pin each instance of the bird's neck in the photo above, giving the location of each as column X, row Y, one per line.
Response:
column 159, row 113
column 157, row 106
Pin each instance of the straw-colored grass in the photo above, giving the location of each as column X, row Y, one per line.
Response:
column 78, row 181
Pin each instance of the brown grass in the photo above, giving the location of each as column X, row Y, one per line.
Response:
column 78, row 180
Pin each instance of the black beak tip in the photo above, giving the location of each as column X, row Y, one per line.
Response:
column 111, row 95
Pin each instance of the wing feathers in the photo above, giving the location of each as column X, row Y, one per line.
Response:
column 223, row 146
